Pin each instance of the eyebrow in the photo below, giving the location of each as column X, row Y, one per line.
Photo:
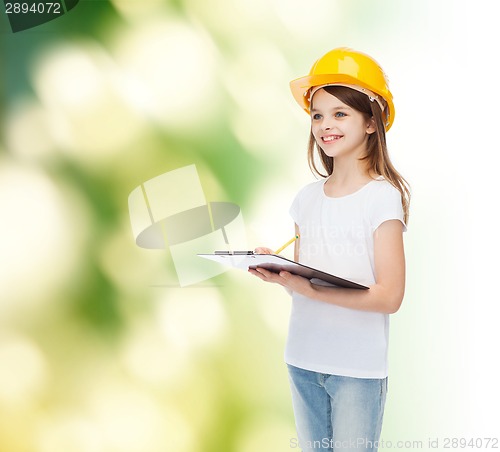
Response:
column 333, row 109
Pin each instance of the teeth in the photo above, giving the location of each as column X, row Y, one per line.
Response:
column 331, row 138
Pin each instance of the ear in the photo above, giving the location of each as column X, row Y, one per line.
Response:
column 370, row 126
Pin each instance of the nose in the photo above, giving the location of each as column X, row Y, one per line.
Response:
column 326, row 124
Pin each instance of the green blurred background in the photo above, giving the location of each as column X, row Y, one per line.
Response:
column 100, row 349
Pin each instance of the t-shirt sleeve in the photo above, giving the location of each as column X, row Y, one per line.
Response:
column 302, row 199
column 386, row 205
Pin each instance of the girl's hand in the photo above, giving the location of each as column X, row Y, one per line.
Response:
column 263, row 250
column 289, row 281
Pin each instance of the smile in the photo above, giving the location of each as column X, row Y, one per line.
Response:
column 330, row 138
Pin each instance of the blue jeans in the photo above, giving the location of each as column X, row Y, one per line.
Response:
column 335, row 413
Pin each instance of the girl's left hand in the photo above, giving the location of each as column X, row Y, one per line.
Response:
column 286, row 279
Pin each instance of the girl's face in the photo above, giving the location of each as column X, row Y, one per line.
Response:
column 339, row 130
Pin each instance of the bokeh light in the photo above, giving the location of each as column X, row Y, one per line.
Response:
column 172, row 66
column 39, row 238
column 25, row 371
column 86, row 112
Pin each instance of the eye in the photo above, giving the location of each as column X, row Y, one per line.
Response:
column 340, row 114
column 316, row 116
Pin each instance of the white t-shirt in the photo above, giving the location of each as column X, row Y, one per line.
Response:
column 336, row 236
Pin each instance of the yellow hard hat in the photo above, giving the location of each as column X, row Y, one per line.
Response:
column 347, row 67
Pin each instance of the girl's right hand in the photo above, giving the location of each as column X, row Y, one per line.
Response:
column 263, row 250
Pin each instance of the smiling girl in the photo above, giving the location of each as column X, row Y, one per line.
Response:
column 350, row 224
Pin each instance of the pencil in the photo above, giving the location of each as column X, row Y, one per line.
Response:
column 279, row 250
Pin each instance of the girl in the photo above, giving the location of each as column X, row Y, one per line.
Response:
column 350, row 224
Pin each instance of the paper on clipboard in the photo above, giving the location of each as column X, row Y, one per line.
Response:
column 275, row 263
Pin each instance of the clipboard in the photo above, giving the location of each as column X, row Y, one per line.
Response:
column 274, row 263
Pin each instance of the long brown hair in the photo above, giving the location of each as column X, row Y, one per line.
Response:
column 377, row 156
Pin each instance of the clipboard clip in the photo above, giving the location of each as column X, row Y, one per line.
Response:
column 234, row 253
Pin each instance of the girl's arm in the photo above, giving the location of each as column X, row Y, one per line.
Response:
column 384, row 296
